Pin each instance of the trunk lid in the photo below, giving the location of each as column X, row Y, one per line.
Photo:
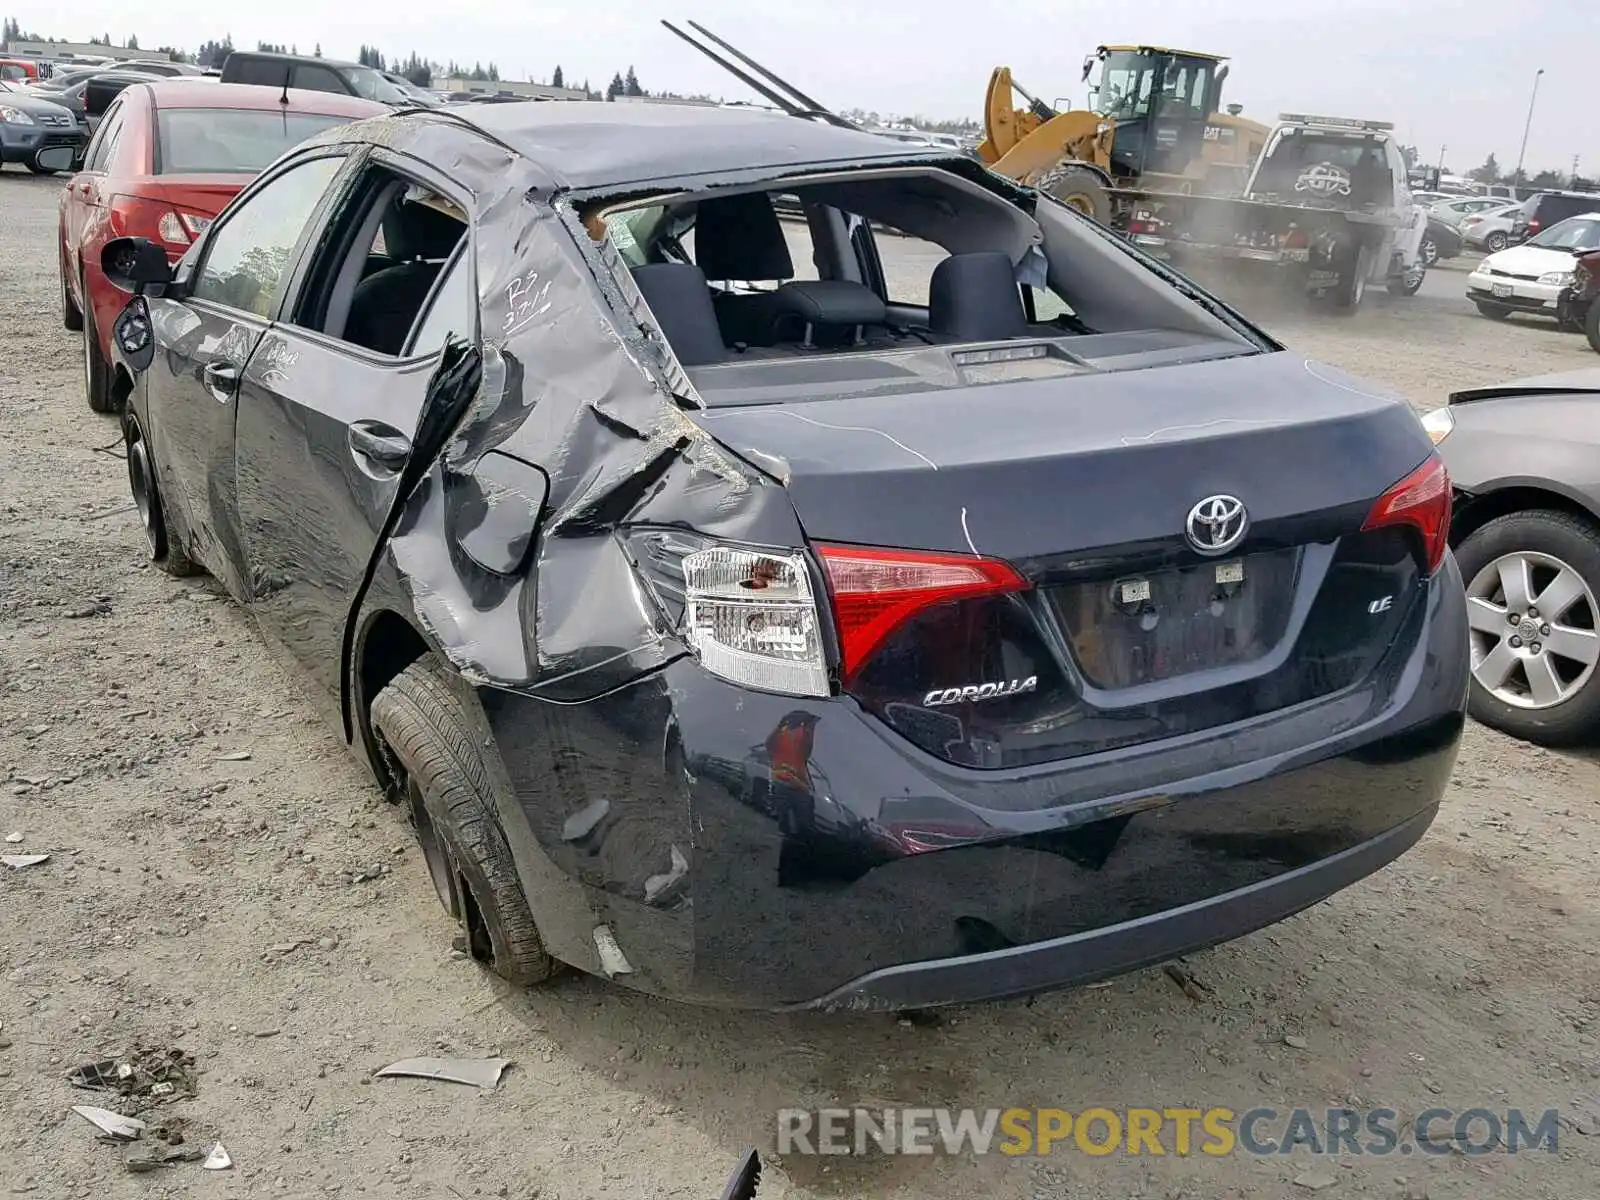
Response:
column 204, row 195
column 1086, row 485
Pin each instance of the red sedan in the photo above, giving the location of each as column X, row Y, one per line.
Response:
column 166, row 159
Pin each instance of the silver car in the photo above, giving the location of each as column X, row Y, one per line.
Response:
column 1453, row 212
column 1490, row 228
column 1524, row 459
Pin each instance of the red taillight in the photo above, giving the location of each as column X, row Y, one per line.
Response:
column 874, row 591
column 1422, row 501
column 141, row 216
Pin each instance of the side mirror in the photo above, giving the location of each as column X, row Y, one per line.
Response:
column 56, row 158
column 135, row 264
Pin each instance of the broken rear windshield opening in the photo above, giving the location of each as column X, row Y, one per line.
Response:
column 867, row 281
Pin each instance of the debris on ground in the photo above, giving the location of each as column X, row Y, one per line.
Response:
column 1192, row 986
column 1295, row 1041
column 217, row 1160
column 148, row 1076
column 162, row 1156
column 235, row 756
column 18, row 861
column 1316, row 1181
column 114, row 1125
column 14, row 838
column 480, row 1072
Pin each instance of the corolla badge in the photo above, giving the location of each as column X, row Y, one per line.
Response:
column 979, row 691
column 1217, row 524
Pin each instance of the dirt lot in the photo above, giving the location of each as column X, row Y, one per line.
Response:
column 1464, row 975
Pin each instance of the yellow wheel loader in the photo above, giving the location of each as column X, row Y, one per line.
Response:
column 1154, row 129
column 1155, row 126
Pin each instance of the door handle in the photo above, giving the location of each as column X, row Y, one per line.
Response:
column 221, row 377
column 379, row 443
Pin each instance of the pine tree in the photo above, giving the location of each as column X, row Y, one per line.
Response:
column 616, row 87
column 558, row 79
column 630, row 84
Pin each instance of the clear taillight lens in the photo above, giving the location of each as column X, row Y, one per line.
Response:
column 171, row 230
column 751, row 617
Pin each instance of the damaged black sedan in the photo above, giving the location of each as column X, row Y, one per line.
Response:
column 744, row 616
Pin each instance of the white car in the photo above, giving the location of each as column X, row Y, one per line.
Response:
column 1490, row 229
column 1529, row 278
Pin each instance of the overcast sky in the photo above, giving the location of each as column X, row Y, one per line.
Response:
column 1456, row 73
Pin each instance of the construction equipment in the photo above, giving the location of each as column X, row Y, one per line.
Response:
column 1157, row 128
column 1155, row 125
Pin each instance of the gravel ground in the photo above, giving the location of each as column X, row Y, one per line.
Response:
column 225, row 879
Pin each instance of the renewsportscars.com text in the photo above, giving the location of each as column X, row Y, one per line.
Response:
column 1181, row 1132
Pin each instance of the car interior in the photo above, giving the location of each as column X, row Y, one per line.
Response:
column 386, row 256
column 718, row 272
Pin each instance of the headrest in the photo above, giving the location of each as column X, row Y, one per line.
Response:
column 412, row 231
column 681, row 303
column 974, row 298
column 831, row 302
column 740, row 237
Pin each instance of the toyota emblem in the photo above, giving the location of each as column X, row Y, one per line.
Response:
column 1216, row 524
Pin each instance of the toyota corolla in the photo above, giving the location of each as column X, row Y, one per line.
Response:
column 742, row 615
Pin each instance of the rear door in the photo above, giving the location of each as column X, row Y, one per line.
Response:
column 86, row 192
column 235, row 285
column 332, row 397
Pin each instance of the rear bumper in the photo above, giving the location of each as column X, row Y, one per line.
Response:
column 1085, row 957
column 897, row 881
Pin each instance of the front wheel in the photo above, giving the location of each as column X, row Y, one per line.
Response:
column 1080, row 188
column 1495, row 242
column 1591, row 325
column 1532, row 582
column 431, row 749
column 1429, row 251
column 96, row 371
column 1408, row 283
column 71, row 316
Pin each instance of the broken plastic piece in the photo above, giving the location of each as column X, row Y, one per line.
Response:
column 612, row 961
column 480, row 1072
column 17, row 861
column 111, row 1123
column 657, row 887
column 217, row 1160
column 582, row 823
column 14, row 838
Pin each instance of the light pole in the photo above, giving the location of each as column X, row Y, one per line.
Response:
column 1528, row 124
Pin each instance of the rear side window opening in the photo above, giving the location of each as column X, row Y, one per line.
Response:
column 882, row 274
column 230, row 141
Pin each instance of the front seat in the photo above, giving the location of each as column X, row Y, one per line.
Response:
column 740, row 239
column 975, row 298
column 385, row 304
